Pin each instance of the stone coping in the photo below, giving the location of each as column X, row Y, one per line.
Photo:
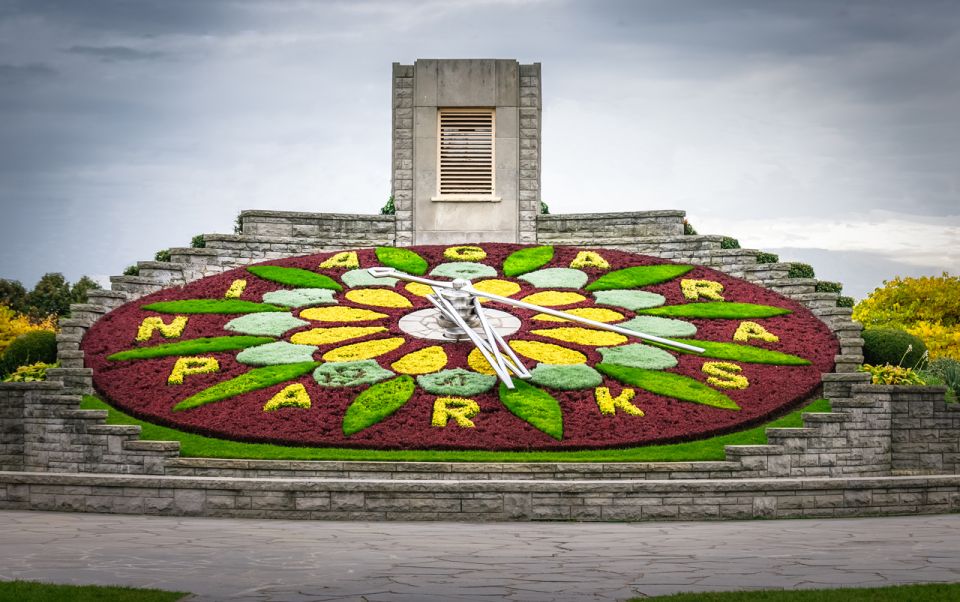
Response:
column 318, row 215
column 612, row 215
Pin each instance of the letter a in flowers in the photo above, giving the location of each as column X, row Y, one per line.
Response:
column 608, row 404
column 752, row 330
column 707, row 289
column 461, row 410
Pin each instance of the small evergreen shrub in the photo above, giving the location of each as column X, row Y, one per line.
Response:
column 132, row 270
column 825, row 286
column 198, row 242
column 390, row 208
column 729, row 243
column 162, row 255
column 800, row 270
column 30, row 348
column 891, row 346
column 845, row 301
column 238, row 224
column 688, row 229
column 544, row 209
column 767, row 257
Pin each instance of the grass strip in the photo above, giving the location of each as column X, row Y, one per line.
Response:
column 638, row 276
column 211, row 306
column 404, row 260
column 669, row 384
column 258, row 378
column 200, row 446
column 294, row 277
column 926, row 592
column 33, row 591
column 527, row 260
column 717, row 310
column 191, row 347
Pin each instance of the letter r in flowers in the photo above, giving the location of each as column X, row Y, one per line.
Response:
column 461, row 410
column 609, row 404
column 155, row 323
column 186, row 366
column 707, row 289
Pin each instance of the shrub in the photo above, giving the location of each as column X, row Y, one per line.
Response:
column 198, row 242
column 132, row 270
column 947, row 371
column 767, row 257
column 30, row 373
column 890, row 346
column 892, row 375
column 12, row 325
column 30, row 348
column 80, row 289
column 390, row 208
column 825, row 286
column 544, row 209
column 688, row 228
column 51, row 296
column 238, row 224
column 800, row 270
column 845, row 301
column 13, row 295
column 163, row 255
column 729, row 243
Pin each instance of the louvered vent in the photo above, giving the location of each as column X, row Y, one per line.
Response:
column 466, row 152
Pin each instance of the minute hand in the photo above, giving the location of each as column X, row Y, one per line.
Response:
column 587, row 321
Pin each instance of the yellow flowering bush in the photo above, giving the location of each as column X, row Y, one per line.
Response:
column 927, row 307
column 13, row 325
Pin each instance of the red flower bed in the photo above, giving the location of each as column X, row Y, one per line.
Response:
column 139, row 387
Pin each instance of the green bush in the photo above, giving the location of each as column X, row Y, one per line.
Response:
column 729, row 243
column 30, row 348
column 162, row 255
column 238, row 224
column 198, row 242
column 688, row 229
column 895, row 347
column 132, row 270
column 544, row 209
column 800, row 270
column 845, row 301
column 767, row 257
column 825, row 286
column 947, row 371
column 390, row 208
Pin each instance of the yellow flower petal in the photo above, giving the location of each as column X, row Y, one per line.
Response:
column 363, row 351
column 582, row 336
column 554, row 298
column 325, row 336
column 547, row 353
column 504, row 288
column 478, row 363
column 378, row 298
column 420, row 290
column 425, row 361
column 340, row 314
column 597, row 314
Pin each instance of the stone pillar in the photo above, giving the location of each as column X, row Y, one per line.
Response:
column 420, row 92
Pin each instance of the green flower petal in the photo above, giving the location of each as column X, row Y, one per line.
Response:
column 717, row 310
column 258, row 378
column 463, row 269
column 210, row 306
column 632, row 300
column 527, row 260
column 638, row 276
column 273, row 354
column 669, row 384
column 274, row 324
column 377, row 403
column 404, row 260
column 741, row 353
column 300, row 297
column 294, row 277
column 556, row 278
column 350, row 374
column 638, row 356
column 534, row 406
column 191, row 347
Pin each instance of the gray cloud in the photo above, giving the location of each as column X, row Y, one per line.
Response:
column 115, row 53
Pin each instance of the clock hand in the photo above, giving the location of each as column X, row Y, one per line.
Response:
column 514, row 362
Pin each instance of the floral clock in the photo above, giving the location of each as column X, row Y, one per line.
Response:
column 317, row 351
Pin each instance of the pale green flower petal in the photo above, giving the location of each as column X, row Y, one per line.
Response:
column 556, row 278
column 265, row 323
column 300, row 297
column 273, row 354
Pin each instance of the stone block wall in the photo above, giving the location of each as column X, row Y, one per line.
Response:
column 530, row 160
column 925, row 432
column 402, row 152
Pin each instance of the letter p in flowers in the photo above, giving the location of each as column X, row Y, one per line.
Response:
column 192, row 365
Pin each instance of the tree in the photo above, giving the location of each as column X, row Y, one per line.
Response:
column 51, row 296
column 80, row 288
column 13, row 295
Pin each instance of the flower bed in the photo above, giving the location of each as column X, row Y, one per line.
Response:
column 369, row 384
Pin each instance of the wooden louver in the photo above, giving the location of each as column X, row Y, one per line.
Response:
column 466, row 152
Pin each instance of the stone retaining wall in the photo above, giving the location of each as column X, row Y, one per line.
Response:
column 480, row 500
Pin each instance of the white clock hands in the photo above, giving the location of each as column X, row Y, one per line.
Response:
column 462, row 314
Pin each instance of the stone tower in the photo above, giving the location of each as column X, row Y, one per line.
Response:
column 466, row 151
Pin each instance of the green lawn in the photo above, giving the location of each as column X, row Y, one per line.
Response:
column 198, row 446
column 934, row 592
column 31, row 591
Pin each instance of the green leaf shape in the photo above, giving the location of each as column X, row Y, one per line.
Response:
column 210, row 306
column 638, row 276
column 669, row 384
column 637, row 355
column 456, row 381
column 258, row 378
column 300, row 297
column 534, row 406
column 740, row 353
column 294, row 277
column 280, row 352
column 377, row 403
column 566, row 378
column 527, row 260
column 269, row 323
column 350, row 374
column 660, row 327
column 191, row 347
column 464, row 269
column 360, row 278
column 404, row 260
column 717, row 310
column 632, row 300
column 557, row 278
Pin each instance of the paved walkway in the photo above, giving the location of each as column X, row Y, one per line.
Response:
column 220, row 559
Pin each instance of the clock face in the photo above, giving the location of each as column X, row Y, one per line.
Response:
column 315, row 351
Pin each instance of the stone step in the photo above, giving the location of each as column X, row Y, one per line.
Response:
column 70, row 358
column 107, row 298
column 94, row 415
column 166, row 272
column 123, row 430
column 813, row 418
column 792, row 286
column 53, row 400
column 190, row 255
column 753, row 450
column 791, row 433
column 833, row 312
column 152, row 446
column 817, row 300
column 135, row 286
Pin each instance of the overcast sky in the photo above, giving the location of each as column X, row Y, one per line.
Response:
column 828, row 131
